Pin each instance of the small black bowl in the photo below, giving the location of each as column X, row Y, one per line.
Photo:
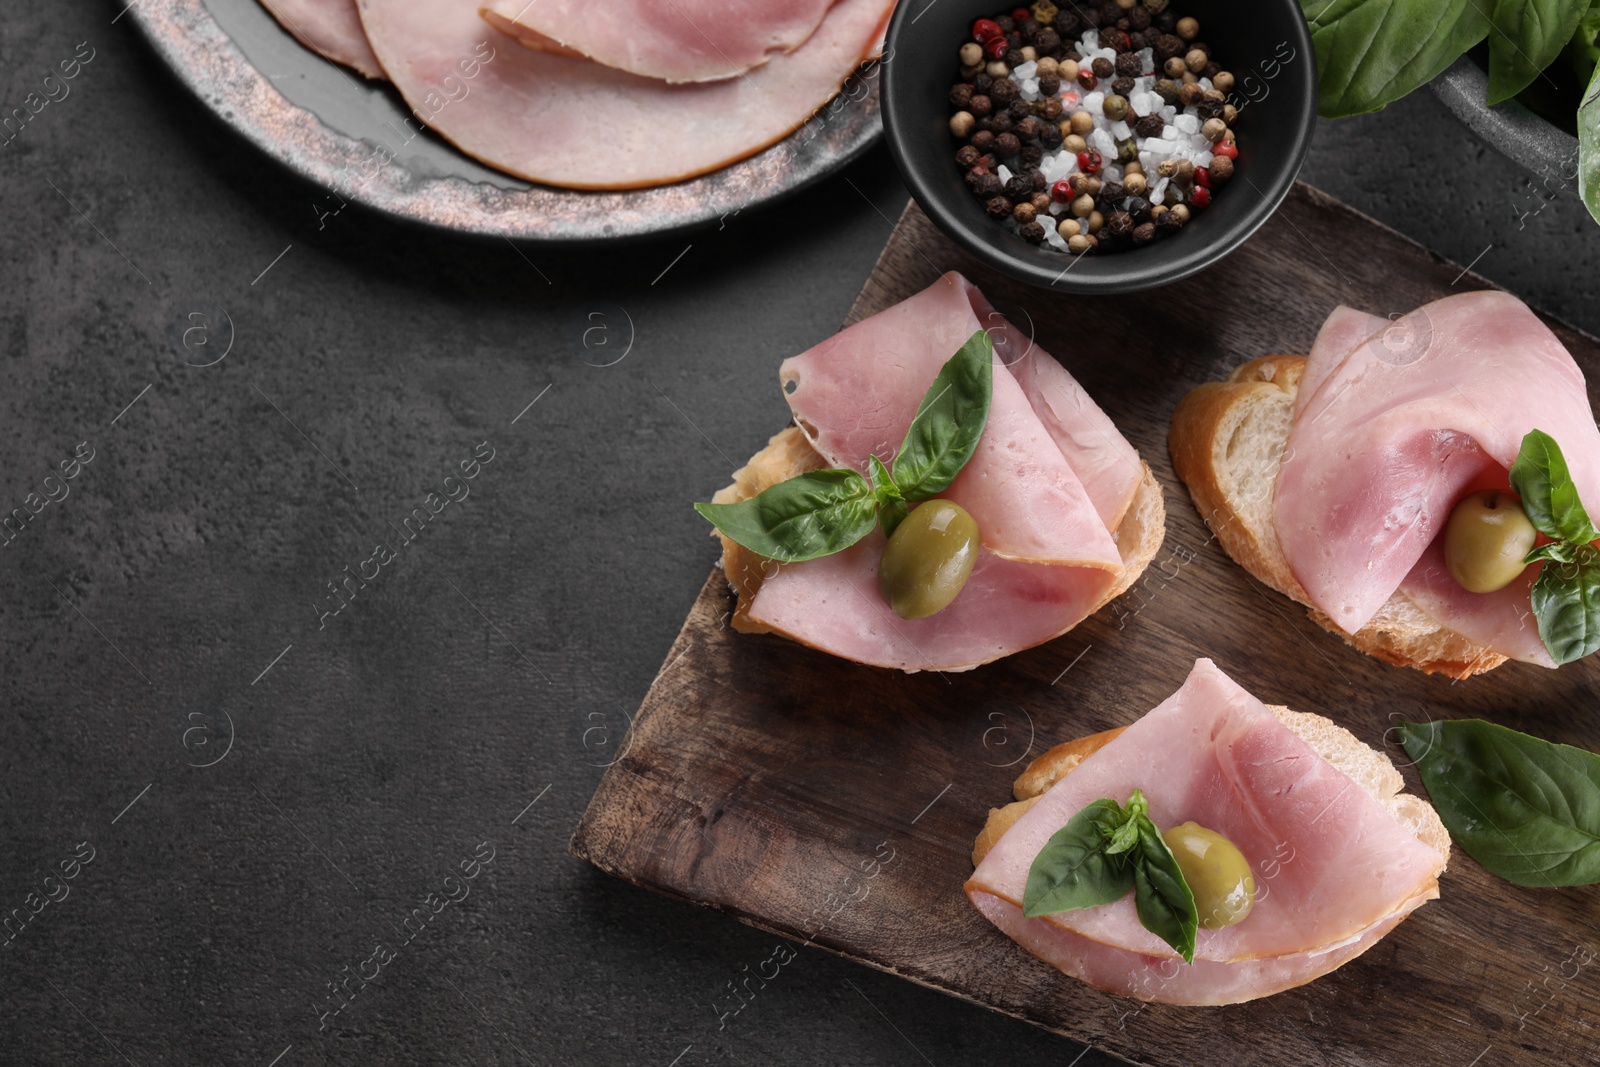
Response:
column 1265, row 44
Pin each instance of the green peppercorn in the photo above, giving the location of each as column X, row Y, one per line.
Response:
column 1115, row 108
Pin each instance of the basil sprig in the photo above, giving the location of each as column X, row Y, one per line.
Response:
column 1526, row 809
column 1566, row 596
column 1104, row 851
column 822, row 512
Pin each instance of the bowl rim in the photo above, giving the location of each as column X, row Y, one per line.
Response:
column 1133, row 276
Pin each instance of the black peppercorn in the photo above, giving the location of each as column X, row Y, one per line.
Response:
column 988, row 186
column 1049, row 85
column 1032, row 232
column 1119, row 224
column 1050, row 107
column 1027, row 128
column 960, row 95
column 1019, row 108
column 1014, row 58
column 1019, row 188
column 1050, row 136
column 1029, row 29
column 1208, row 109
column 1004, row 91
column 1035, row 178
column 966, row 156
column 1112, row 191
column 1103, row 67
column 1167, row 20
column 1139, row 17
column 1144, row 233
column 1149, row 126
column 1006, row 145
column 982, row 82
column 980, row 105
column 1001, row 122
column 983, row 141
column 1006, row 23
column 1138, row 207
column 1169, row 45
column 1122, row 86
column 1169, row 222
column 1108, row 14
column 998, row 207
column 1211, row 70
column 1128, row 64
column 1031, row 155
column 972, row 178
column 1067, row 21
column 1048, row 40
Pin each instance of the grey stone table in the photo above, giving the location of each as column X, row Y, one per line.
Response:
column 252, row 791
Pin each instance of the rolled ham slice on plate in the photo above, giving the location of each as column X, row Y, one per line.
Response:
column 331, row 28
column 673, row 40
column 573, row 122
column 1335, row 871
column 1394, row 423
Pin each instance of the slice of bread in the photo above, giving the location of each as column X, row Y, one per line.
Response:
column 788, row 453
column 1226, row 440
column 1364, row 765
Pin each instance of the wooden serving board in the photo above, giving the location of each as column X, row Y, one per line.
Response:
column 836, row 804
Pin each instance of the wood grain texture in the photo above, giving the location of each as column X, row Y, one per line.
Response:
column 770, row 781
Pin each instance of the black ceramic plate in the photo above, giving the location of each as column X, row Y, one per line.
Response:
column 1264, row 43
column 330, row 125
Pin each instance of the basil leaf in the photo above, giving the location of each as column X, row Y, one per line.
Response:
column 1549, row 495
column 1527, row 37
column 1164, row 901
column 1566, row 603
column 892, row 509
column 1527, row 809
column 812, row 514
column 1372, row 52
column 949, row 421
column 1589, row 133
column 1558, row 551
column 1073, row 869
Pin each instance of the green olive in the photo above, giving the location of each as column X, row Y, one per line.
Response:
column 1486, row 539
column 928, row 559
column 1217, row 873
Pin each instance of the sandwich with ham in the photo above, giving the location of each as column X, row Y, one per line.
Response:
column 1324, row 854
column 1061, row 512
column 1416, row 483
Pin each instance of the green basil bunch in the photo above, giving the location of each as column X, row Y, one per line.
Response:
column 1566, row 597
column 1371, row 53
column 826, row 511
column 1527, row 809
column 1104, row 851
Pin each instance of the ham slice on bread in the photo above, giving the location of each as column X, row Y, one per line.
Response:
column 331, row 28
column 1331, row 478
column 1066, row 527
column 675, row 41
column 1340, row 855
column 554, row 118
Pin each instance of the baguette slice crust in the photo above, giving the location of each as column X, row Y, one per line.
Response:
column 788, row 453
column 1226, row 441
column 1364, row 765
